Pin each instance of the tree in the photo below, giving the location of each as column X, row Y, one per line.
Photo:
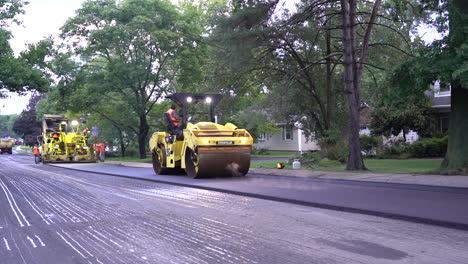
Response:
column 292, row 61
column 310, row 60
column 130, row 55
column 444, row 61
column 353, row 66
column 16, row 74
column 6, row 125
column 26, row 124
column 389, row 121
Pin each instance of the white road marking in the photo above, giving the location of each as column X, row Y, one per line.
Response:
column 32, row 242
column 66, row 241
column 89, row 253
column 31, row 204
column 11, row 205
column 40, row 241
column 6, row 244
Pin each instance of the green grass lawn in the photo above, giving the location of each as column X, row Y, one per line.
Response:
column 270, row 155
column 274, row 155
column 376, row 166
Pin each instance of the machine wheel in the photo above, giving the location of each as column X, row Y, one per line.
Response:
column 191, row 164
column 159, row 161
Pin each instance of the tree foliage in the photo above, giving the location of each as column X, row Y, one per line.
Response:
column 26, row 124
column 392, row 121
column 6, row 125
column 445, row 61
column 131, row 54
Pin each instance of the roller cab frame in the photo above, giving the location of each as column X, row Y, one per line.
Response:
column 203, row 149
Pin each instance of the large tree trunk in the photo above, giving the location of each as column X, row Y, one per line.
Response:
column 456, row 159
column 142, row 135
column 329, row 78
column 355, row 161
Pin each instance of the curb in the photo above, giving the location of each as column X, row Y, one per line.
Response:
column 414, row 219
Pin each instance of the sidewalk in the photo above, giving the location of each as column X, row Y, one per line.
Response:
column 420, row 179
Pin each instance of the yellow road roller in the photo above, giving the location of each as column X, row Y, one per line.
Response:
column 203, row 149
column 62, row 141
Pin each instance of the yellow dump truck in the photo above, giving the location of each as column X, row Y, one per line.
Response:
column 203, row 149
column 6, row 145
column 62, row 141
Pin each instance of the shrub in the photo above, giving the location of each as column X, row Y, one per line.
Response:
column 338, row 152
column 396, row 151
column 333, row 147
column 369, row 144
column 307, row 159
column 262, row 151
column 329, row 163
column 429, row 148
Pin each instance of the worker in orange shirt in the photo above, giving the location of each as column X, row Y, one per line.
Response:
column 102, row 151
column 37, row 154
column 173, row 116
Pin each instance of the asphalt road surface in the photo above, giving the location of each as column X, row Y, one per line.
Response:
column 445, row 206
column 55, row 215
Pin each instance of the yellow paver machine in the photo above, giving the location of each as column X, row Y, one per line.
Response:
column 202, row 149
column 61, row 141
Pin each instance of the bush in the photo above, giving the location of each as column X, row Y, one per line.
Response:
column 333, row 147
column 307, row 159
column 429, row 148
column 369, row 144
column 329, row 163
column 338, row 152
column 394, row 151
column 262, row 151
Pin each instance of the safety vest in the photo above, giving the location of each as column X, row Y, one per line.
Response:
column 171, row 113
column 36, row 150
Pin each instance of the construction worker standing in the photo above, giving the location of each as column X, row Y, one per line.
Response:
column 37, row 154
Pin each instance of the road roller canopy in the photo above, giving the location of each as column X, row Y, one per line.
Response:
column 186, row 100
column 58, row 123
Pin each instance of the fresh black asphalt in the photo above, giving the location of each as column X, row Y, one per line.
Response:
column 50, row 214
column 444, row 206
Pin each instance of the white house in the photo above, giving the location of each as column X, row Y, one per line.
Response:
column 289, row 138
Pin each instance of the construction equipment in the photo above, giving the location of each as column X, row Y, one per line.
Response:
column 6, row 145
column 203, row 149
column 62, row 141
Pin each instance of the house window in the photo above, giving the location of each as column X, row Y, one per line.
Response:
column 263, row 137
column 287, row 133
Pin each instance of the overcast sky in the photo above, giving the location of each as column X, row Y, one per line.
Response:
column 44, row 18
